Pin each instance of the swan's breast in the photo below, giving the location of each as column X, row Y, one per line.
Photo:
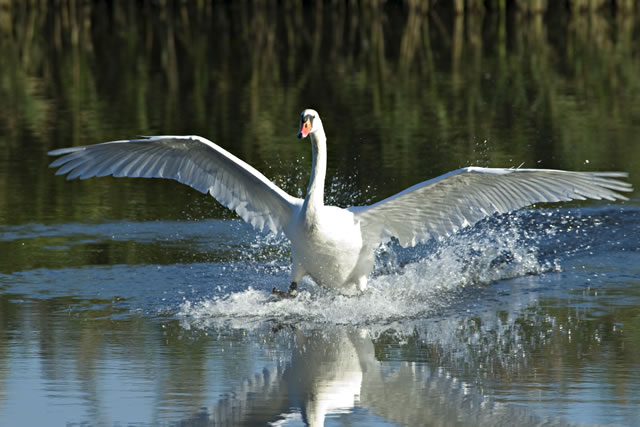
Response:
column 335, row 228
column 327, row 243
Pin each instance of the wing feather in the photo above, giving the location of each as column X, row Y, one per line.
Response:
column 191, row 160
column 443, row 205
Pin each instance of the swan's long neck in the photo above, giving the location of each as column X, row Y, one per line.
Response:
column 315, row 192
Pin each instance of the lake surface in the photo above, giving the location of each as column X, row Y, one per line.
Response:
column 144, row 302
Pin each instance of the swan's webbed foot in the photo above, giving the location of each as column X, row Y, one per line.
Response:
column 290, row 294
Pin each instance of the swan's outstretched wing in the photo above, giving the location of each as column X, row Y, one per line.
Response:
column 191, row 160
column 443, row 205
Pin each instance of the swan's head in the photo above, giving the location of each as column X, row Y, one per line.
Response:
column 309, row 123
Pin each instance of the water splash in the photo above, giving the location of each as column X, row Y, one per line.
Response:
column 407, row 284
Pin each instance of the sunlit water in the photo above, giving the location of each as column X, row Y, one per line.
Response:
column 529, row 297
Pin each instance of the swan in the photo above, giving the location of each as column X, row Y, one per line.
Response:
column 335, row 246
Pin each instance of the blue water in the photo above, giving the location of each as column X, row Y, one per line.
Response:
column 523, row 318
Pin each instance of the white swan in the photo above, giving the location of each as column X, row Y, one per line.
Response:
column 335, row 246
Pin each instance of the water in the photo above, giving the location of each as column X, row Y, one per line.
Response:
column 524, row 318
column 142, row 302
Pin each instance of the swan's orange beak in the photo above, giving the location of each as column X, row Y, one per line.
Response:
column 305, row 128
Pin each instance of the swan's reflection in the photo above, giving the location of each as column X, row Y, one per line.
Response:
column 333, row 372
column 326, row 372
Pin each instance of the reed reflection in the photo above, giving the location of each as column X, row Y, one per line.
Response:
column 237, row 72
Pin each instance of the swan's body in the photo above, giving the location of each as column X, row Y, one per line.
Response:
column 327, row 245
column 335, row 246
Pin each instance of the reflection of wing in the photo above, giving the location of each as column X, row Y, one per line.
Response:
column 191, row 160
column 255, row 402
column 443, row 205
column 413, row 394
column 409, row 393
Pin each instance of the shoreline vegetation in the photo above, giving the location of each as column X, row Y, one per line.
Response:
column 493, row 88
